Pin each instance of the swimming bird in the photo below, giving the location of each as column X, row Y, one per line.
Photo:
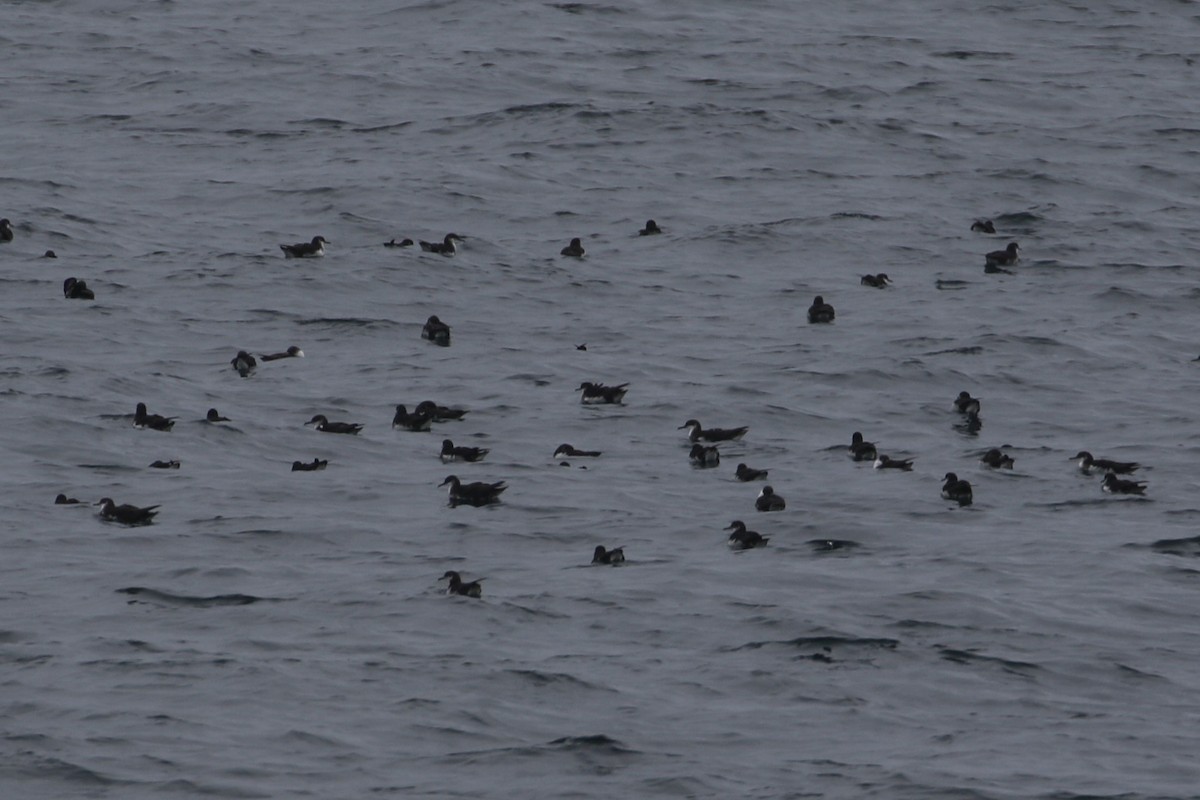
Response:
column 312, row 466
column 861, row 450
column 63, row 500
column 313, row 249
column 411, row 422
column 650, row 229
column 472, row 589
column 1086, row 462
column 983, row 226
column 742, row 539
column 574, row 249
column 74, row 289
column 157, row 422
column 439, row 413
column 244, row 363
column 1114, row 485
column 6, row 230
column 879, row 281
column 445, row 247
column 744, row 473
column 997, row 459
column 165, row 465
column 125, row 513
column 885, row 462
column 820, row 311
column 966, row 404
column 598, row 393
column 584, row 347
column 49, row 254
column 602, row 556
column 702, row 456
column 401, row 243
column 695, row 433
column 436, row 331
column 957, row 490
column 214, row 416
column 1003, row 258
column 325, row 426
column 473, row 494
column 767, row 500
column 291, row 352
column 570, row 451
column 452, row 453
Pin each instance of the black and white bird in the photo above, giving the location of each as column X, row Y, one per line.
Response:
column 415, row 422
column 1114, row 485
column 742, row 539
column 313, row 249
column 143, row 419
column 997, row 459
column 75, row 289
column 126, row 514
column 457, row 586
column 1003, row 258
column 880, row 281
column 445, row 247
column 325, row 426
column 860, row 449
column 1087, row 463
column 704, row 457
column 243, row 363
column 473, row 494
column 436, row 331
column 983, row 226
column 602, row 556
column 820, row 311
column 439, row 413
column 470, row 454
column 966, row 404
column 291, row 352
column 957, row 490
column 886, row 462
column 696, row 433
column 6, row 230
column 311, row 466
column 598, row 393
column 745, row 473
column 570, row 451
column 767, row 500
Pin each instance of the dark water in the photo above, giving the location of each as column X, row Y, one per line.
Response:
column 287, row 635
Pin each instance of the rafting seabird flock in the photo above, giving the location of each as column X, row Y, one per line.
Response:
column 705, row 442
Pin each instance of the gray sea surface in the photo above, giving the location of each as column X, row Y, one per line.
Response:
column 288, row 636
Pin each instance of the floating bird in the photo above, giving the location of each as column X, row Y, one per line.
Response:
column 401, row 243
column 744, row 473
column 695, row 433
column 702, row 456
column 49, row 254
column 214, row 416
column 602, row 556
column 436, row 331
column 1086, row 462
column 125, row 513
column 473, row 494
column 312, row 466
column 966, row 404
column 141, row 419
column 313, row 249
column 63, row 500
column 879, row 281
column 445, row 247
column 570, row 451
column 439, row 413
column 584, row 347
column 1003, row 258
column 6, row 230
column 885, row 462
column 165, row 465
column 650, row 229
column 411, row 422
column 820, row 311
column 244, row 363
column 1114, row 485
column 767, row 500
column 983, row 226
column 957, row 490
column 472, row 589
column 574, row 249
column 452, row 453
column 292, row 352
column 861, row 450
column 74, row 289
column 598, row 393
column 742, row 539
column 997, row 459
column 325, row 426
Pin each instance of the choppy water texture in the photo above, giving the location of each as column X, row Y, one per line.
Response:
column 285, row 634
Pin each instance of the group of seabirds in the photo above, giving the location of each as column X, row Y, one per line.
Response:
column 705, row 442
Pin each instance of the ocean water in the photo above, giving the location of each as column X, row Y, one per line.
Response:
column 288, row 635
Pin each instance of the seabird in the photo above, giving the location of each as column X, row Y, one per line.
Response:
column 575, row 249
column 452, row 453
column 125, row 513
column 141, row 419
column 63, row 500
column 596, row 393
column 401, row 243
column 966, row 404
column 215, row 416
column 742, row 539
column 411, row 422
column 6, row 230
column 324, row 425
column 602, row 556
column 439, row 413
column 767, row 500
column 313, row 466
column 997, row 459
column 650, row 229
column 313, row 249
column 879, row 281
column 1003, row 258
column 695, row 433
column 165, row 465
column 472, row 589
column 1086, row 462
column 1114, row 485
column 702, row 456
column 983, row 226
column 49, row 254
column 244, row 363
column 445, row 247
column 473, row 494
column 744, row 473
column 861, row 450
column 74, row 289
column 885, row 462
column 436, row 331
column 957, row 490
column 820, row 311
column 292, row 352
column 570, row 451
